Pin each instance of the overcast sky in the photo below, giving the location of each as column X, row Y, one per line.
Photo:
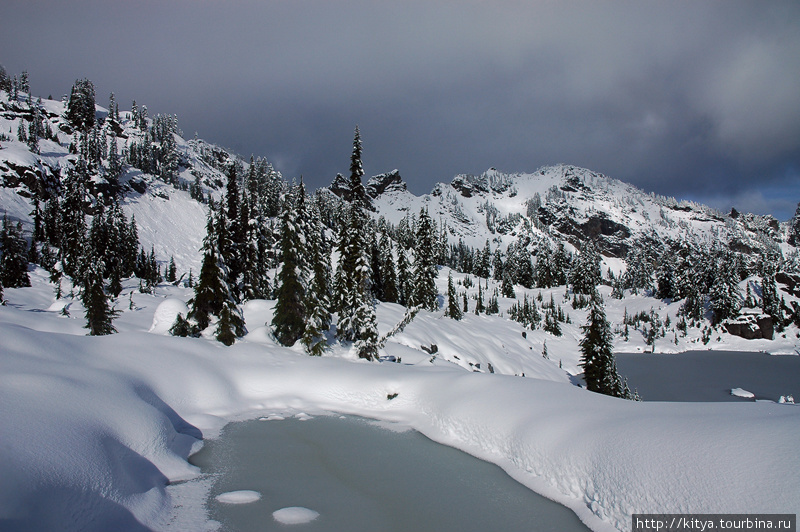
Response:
column 698, row 100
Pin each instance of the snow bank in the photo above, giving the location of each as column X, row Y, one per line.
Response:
column 166, row 314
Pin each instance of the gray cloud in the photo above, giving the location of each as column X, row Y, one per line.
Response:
column 696, row 99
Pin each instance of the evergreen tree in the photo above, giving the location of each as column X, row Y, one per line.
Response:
column 769, row 292
column 80, row 112
column 484, row 262
column 289, row 319
column 453, row 310
column 114, row 163
column 497, row 265
column 666, row 279
column 378, row 288
column 99, row 313
column 356, row 304
column 357, row 193
column 585, row 273
column 507, row 287
column 639, row 271
column 14, row 259
column 72, row 224
column 597, row 357
column 231, row 234
column 317, row 302
column 724, row 297
column 404, row 285
column 425, row 271
column 387, row 268
column 230, row 324
column 210, row 290
column 172, row 271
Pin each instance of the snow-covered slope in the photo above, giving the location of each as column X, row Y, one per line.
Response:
column 169, row 221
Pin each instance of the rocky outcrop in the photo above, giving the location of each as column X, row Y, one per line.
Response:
column 387, row 182
column 750, row 326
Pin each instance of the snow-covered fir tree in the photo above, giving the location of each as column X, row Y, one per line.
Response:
column 13, row 256
column 425, row 272
column 80, row 112
column 724, row 296
column 597, row 356
column 356, row 305
column 386, row 263
column 453, row 309
column 318, row 295
column 212, row 293
column 585, row 273
column 99, row 312
column 289, row 319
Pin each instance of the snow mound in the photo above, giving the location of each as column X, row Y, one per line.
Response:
column 166, row 313
column 739, row 392
column 238, row 497
column 294, row 515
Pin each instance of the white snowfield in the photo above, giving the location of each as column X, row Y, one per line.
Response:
column 96, row 431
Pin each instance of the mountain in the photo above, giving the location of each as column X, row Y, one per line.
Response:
column 572, row 204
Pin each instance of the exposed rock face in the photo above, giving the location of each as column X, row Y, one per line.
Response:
column 490, row 181
column 381, row 183
column 341, row 187
column 790, row 282
column 609, row 236
column 42, row 181
column 751, row 326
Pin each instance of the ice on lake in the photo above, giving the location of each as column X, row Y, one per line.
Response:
column 354, row 475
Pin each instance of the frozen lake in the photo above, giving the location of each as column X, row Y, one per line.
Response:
column 362, row 476
column 710, row 375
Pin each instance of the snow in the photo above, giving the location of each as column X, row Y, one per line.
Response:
column 100, row 428
column 294, row 515
column 166, row 313
column 238, row 497
column 739, row 392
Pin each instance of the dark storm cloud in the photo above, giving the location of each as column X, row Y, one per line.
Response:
column 698, row 100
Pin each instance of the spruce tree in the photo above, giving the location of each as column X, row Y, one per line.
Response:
column 403, row 277
column 317, row 302
column 231, row 234
column 99, row 313
column 597, row 356
column 453, row 310
column 507, row 287
column 14, row 258
column 388, row 270
column 80, row 112
column 211, row 293
column 425, row 271
column 289, row 319
column 357, row 192
column 72, row 222
column 585, row 273
column 356, row 304
column 724, row 297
